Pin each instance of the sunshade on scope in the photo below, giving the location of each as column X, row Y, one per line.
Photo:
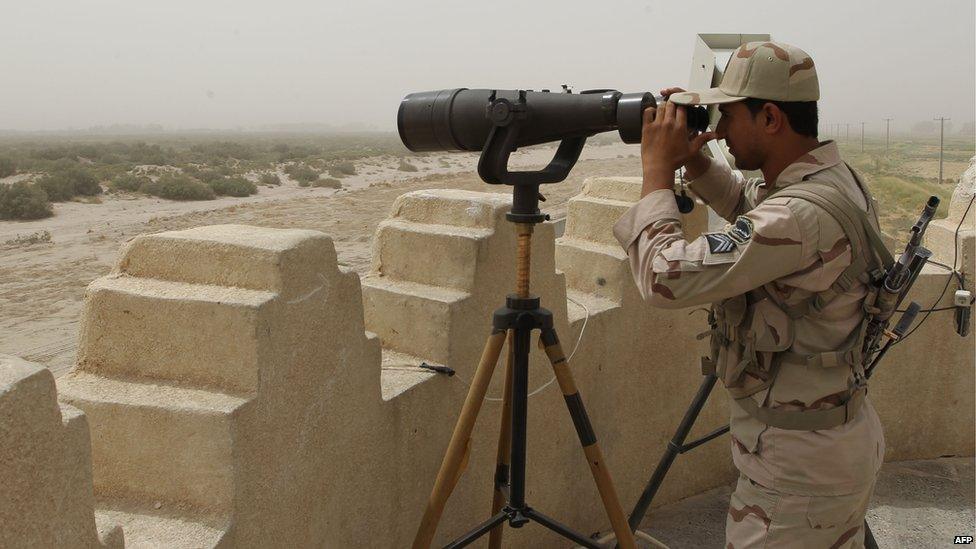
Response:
column 461, row 119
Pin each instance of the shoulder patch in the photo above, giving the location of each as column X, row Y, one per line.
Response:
column 741, row 231
column 719, row 243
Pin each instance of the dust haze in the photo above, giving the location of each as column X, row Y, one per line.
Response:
column 183, row 65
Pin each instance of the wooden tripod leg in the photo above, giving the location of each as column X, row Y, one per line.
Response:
column 457, row 449
column 503, row 460
column 594, row 456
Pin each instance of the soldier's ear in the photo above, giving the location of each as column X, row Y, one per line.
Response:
column 773, row 119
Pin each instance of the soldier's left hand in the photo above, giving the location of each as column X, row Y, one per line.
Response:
column 665, row 141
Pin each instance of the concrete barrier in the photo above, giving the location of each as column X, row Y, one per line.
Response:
column 45, row 465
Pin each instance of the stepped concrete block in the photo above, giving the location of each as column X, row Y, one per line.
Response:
column 617, row 194
column 457, row 224
column 286, row 262
column 173, row 331
column 592, row 218
column 410, row 318
column 230, row 382
column 453, row 266
column 588, row 253
column 432, row 216
column 623, row 189
column 150, row 527
column 158, row 442
column 593, row 268
column 452, row 207
column 45, row 465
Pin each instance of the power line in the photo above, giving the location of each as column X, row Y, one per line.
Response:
column 941, row 120
column 887, row 122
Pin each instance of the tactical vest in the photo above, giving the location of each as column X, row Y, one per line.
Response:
column 751, row 334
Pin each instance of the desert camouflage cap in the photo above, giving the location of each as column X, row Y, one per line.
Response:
column 763, row 70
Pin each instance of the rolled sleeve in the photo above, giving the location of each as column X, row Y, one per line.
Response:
column 656, row 206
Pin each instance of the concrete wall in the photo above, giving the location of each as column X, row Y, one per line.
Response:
column 46, row 495
column 243, row 390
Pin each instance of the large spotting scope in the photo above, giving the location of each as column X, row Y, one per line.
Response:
column 461, row 119
column 497, row 122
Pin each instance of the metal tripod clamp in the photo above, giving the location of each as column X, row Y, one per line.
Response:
column 507, row 116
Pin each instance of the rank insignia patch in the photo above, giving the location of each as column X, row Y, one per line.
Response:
column 719, row 243
column 741, row 232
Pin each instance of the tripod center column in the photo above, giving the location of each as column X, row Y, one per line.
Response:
column 523, row 232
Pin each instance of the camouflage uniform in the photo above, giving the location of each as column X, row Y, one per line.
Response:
column 798, row 488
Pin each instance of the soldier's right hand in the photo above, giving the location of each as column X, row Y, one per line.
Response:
column 697, row 163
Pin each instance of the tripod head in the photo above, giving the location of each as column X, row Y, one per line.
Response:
column 507, row 112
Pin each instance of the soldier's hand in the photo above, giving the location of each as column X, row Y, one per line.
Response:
column 665, row 142
column 668, row 92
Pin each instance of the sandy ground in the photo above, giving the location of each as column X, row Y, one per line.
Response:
column 42, row 285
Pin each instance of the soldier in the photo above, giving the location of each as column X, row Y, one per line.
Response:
column 789, row 283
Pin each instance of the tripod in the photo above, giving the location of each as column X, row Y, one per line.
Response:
column 521, row 315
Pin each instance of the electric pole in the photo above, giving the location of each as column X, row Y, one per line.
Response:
column 941, row 120
column 848, row 138
column 862, row 136
column 887, row 122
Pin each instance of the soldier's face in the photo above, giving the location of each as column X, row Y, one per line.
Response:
column 742, row 135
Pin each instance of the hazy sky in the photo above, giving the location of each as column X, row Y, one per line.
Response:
column 226, row 64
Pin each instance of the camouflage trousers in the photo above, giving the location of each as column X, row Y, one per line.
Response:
column 763, row 518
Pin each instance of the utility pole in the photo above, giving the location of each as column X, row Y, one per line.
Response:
column 848, row 138
column 887, row 122
column 862, row 136
column 941, row 120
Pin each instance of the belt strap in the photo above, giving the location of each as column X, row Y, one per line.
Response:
column 805, row 421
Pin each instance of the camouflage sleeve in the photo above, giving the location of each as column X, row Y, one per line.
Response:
column 725, row 191
column 762, row 245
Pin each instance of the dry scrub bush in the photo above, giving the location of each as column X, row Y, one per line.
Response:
column 178, row 187
column 66, row 182
column 233, row 186
column 128, row 182
column 302, row 174
column 23, row 200
column 342, row 169
column 269, row 178
column 328, row 182
column 39, row 237
column 7, row 166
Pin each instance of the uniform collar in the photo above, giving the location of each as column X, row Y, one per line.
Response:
column 823, row 157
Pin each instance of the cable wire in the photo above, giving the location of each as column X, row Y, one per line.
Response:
column 955, row 258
